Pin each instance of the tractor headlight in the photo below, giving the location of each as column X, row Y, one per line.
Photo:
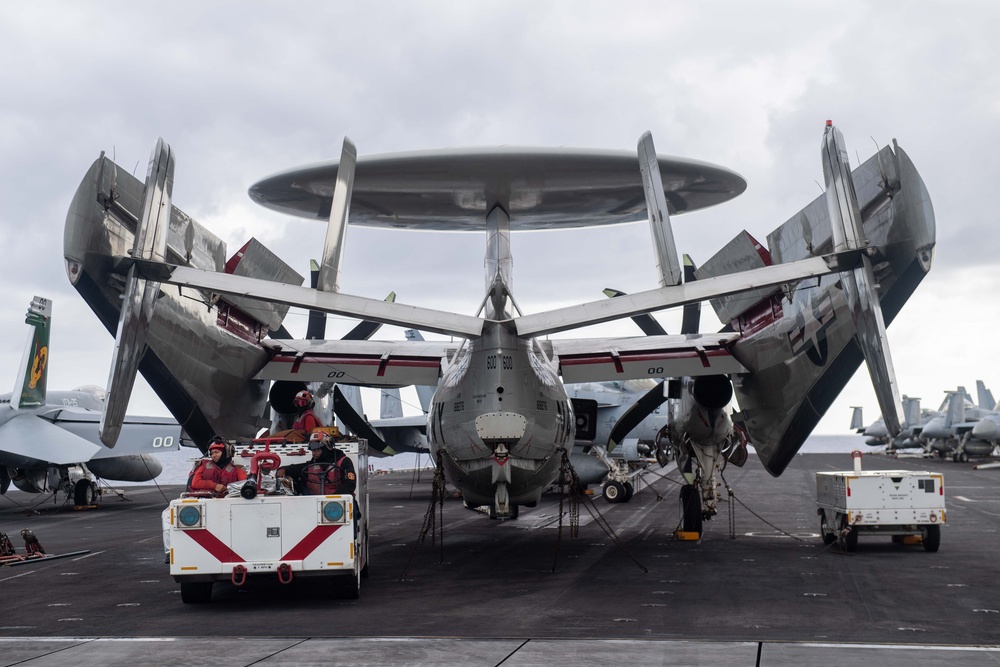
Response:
column 189, row 516
column 332, row 511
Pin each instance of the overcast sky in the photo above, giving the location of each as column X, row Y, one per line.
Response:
column 244, row 89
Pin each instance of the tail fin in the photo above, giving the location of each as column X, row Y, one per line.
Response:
column 857, row 421
column 956, row 408
column 986, row 400
column 35, row 362
column 391, row 405
column 911, row 411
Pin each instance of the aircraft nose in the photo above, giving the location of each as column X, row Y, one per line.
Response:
column 935, row 429
column 985, row 429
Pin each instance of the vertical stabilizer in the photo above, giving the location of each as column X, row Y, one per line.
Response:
column 659, row 216
column 140, row 294
column 336, row 231
column 956, row 408
column 911, row 411
column 986, row 400
column 391, row 405
column 424, row 392
column 35, row 362
column 857, row 420
column 859, row 284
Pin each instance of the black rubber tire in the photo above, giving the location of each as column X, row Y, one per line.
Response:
column 83, row 493
column 691, row 508
column 347, row 587
column 629, row 492
column 829, row 537
column 851, row 538
column 614, row 492
column 196, row 592
column 932, row 538
column 963, row 458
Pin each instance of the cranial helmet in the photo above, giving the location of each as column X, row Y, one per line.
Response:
column 303, row 399
column 223, row 446
column 318, row 440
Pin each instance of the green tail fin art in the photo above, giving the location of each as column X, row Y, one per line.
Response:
column 35, row 363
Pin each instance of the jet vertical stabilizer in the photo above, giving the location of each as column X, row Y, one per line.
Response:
column 35, row 362
column 140, row 293
column 859, row 283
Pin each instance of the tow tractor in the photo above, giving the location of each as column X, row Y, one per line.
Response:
column 907, row 505
column 263, row 529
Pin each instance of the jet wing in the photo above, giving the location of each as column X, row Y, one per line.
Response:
column 29, row 440
column 369, row 363
column 603, row 359
column 139, row 435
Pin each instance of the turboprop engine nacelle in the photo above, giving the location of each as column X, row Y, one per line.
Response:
column 700, row 414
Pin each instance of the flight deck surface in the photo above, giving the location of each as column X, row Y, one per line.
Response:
column 773, row 595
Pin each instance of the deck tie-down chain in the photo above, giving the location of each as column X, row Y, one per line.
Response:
column 568, row 476
column 433, row 517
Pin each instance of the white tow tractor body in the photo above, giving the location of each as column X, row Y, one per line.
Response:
column 274, row 532
column 901, row 503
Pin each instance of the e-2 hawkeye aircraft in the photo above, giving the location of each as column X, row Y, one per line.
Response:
column 49, row 439
column 802, row 314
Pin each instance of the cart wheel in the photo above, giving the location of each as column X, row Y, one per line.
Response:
column 932, row 538
column 851, row 538
column 196, row 592
column 691, row 508
column 347, row 587
column 829, row 537
column 629, row 491
column 614, row 492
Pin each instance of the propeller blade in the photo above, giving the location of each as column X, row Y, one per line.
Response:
column 347, row 414
column 638, row 411
column 646, row 322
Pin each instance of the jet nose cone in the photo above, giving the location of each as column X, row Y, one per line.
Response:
column 935, row 429
column 985, row 429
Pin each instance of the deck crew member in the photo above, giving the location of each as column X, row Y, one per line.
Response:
column 330, row 471
column 219, row 472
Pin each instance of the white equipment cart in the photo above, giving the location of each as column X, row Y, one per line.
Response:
column 262, row 529
column 905, row 504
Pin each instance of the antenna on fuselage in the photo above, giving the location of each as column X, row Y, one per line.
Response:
column 659, row 215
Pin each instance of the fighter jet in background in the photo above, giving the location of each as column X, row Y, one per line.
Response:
column 802, row 315
column 49, row 439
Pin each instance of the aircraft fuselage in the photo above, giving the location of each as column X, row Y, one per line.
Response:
column 501, row 416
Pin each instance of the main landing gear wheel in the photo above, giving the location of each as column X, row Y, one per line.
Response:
column 85, row 492
column 196, row 592
column 691, row 509
column 829, row 537
column 932, row 538
column 629, row 491
column 614, row 492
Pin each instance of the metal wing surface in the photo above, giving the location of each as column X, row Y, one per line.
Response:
column 29, row 440
column 603, row 359
column 539, row 188
column 139, row 435
column 369, row 363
